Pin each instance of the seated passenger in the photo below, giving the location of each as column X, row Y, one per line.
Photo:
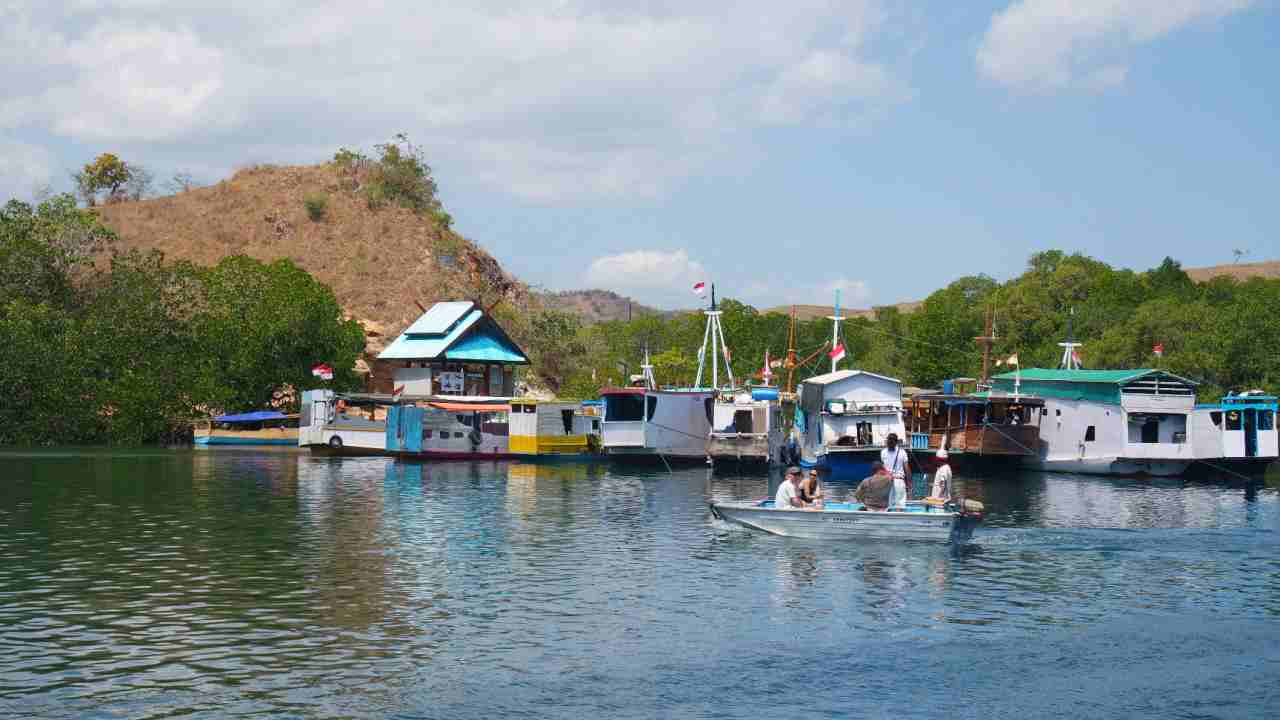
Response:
column 811, row 490
column 873, row 492
column 788, row 496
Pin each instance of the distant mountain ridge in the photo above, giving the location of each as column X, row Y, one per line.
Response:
column 595, row 306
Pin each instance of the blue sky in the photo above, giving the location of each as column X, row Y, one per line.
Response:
column 781, row 152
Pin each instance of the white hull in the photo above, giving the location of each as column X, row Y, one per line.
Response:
column 934, row 526
column 1110, row 466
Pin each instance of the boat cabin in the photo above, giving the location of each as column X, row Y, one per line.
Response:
column 540, row 427
column 1108, row 421
column 1237, row 427
column 849, row 409
column 747, row 427
column 974, row 423
column 646, row 422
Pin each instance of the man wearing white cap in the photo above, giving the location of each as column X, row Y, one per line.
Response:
column 942, row 478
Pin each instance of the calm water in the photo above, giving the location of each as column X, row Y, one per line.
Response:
column 213, row 584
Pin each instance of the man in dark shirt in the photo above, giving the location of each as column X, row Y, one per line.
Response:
column 873, row 492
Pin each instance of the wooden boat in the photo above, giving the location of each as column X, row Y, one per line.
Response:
column 980, row 430
column 929, row 520
column 549, row 430
column 263, row 427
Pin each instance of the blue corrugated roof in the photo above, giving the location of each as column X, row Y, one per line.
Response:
column 440, row 318
column 412, row 346
column 483, row 347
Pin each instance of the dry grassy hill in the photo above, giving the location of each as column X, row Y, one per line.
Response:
column 595, row 306
column 380, row 263
column 1239, row 271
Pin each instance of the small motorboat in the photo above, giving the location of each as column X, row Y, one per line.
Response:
column 929, row 519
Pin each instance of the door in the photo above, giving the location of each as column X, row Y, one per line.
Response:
column 1250, row 433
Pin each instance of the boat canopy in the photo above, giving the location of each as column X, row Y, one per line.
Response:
column 1104, row 386
column 256, row 416
column 471, row 407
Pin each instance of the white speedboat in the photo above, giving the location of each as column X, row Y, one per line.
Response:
column 936, row 522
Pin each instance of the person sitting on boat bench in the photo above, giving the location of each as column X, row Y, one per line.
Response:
column 788, row 497
column 811, row 490
column 873, row 492
column 895, row 460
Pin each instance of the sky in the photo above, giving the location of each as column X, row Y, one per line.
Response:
column 782, row 151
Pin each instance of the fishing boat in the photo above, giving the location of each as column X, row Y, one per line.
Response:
column 1236, row 434
column 981, row 430
column 347, row 424
column 647, row 423
column 845, row 418
column 922, row 520
column 263, row 427
column 457, row 428
column 747, row 429
column 550, row 430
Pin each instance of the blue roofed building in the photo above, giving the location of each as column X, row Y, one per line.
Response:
column 454, row 348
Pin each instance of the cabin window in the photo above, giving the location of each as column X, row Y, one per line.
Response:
column 1044, row 411
column 529, row 408
column 1058, row 412
column 1233, row 420
column 428, row 434
column 742, row 421
column 864, row 433
column 1266, row 421
column 1090, row 434
column 306, row 414
column 566, row 417
column 650, row 406
column 1216, row 417
column 709, row 405
column 623, row 408
column 464, row 419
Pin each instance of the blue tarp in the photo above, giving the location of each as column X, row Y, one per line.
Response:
column 762, row 393
column 256, row 416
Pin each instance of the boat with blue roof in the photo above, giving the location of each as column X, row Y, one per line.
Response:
column 261, row 427
column 1236, row 434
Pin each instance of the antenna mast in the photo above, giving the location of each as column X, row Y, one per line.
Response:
column 1070, row 358
column 714, row 335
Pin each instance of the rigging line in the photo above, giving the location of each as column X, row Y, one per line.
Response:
column 925, row 342
column 1229, row 471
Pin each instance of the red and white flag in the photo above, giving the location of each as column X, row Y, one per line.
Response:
column 766, row 372
column 396, row 391
column 837, row 353
column 699, row 288
column 1075, row 357
column 322, row 371
column 1013, row 359
column 1158, row 349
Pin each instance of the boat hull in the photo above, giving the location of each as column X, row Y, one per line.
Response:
column 934, row 525
column 845, row 464
column 228, row 440
column 1111, row 466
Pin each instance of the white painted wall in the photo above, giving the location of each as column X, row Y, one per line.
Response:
column 416, row 381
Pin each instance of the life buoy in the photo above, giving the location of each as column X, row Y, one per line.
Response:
column 335, row 442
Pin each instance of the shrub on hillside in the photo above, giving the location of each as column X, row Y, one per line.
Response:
column 316, row 205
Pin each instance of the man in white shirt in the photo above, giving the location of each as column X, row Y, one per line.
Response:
column 788, row 497
column 942, row 477
column 896, row 461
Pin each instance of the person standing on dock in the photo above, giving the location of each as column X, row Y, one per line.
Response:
column 896, row 462
column 942, row 477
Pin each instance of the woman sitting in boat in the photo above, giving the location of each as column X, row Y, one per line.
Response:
column 811, row 490
column 873, row 492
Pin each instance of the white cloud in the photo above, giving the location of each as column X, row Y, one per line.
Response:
column 651, row 272
column 547, row 102
column 24, row 168
column 1042, row 45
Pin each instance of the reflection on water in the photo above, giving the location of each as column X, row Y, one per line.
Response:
column 154, row 584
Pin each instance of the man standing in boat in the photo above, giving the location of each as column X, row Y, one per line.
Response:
column 896, row 461
column 942, row 477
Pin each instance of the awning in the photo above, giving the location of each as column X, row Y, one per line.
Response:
column 256, row 416
column 470, row 407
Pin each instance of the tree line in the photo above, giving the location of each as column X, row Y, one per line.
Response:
column 101, row 346
column 1222, row 333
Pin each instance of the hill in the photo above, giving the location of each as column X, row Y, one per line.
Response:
column 595, row 306
column 380, row 263
column 1239, row 271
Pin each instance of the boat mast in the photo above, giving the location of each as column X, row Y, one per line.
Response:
column 1070, row 359
column 647, row 368
column 714, row 335
column 835, row 329
column 789, row 363
column 986, row 340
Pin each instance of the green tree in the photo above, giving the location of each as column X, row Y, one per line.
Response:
column 940, row 333
column 555, row 346
column 43, row 249
column 106, row 174
column 260, row 328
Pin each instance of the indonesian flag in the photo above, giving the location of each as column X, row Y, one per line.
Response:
column 322, row 371
column 1075, row 357
column 766, row 372
column 396, row 391
column 1013, row 359
column 1158, row 349
column 699, row 288
column 837, row 353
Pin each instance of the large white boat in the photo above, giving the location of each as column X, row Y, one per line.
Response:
column 650, row 423
column 1107, row 422
column 845, row 418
